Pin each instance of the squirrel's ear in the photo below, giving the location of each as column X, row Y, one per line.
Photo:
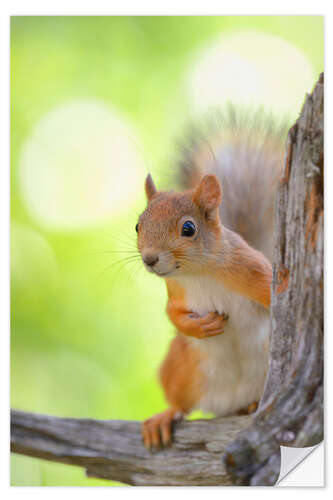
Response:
column 150, row 187
column 208, row 195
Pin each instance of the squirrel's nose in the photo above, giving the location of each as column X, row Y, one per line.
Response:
column 150, row 259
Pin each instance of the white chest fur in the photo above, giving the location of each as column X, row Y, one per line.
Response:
column 236, row 361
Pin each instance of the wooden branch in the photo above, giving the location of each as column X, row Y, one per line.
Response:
column 114, row 450
column 291, row 410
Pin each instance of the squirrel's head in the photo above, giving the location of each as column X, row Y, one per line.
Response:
column 179, row 231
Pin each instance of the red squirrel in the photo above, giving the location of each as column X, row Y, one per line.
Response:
column 212, row 243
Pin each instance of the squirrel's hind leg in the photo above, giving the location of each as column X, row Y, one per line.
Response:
column 182, row 382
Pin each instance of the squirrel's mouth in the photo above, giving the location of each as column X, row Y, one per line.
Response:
column 163, row 274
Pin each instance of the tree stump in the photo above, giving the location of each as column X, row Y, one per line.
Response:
column 291, row 409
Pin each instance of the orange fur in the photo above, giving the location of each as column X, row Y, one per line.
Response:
column 182, row 382
column 186, row 321
column 180, row 375
column 208, row 194
column 247, row 272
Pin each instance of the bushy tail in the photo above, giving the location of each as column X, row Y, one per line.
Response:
column 245, row 151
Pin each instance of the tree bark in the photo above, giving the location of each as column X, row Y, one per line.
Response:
column 291, row 409
column 114, row 449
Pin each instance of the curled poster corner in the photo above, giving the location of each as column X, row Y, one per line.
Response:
column 306, row 471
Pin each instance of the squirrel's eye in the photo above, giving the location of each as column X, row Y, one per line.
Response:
column 137, row 228
column 188, row 228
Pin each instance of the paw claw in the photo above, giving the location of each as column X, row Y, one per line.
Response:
column 212, row 324
column 157, row 431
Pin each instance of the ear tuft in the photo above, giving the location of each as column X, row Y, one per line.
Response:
column 208, row 195
column 150, row 187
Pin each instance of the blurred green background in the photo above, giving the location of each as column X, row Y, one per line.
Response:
column 95, row 103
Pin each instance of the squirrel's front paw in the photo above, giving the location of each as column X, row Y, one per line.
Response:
column 157, row 430
column 210, row 325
